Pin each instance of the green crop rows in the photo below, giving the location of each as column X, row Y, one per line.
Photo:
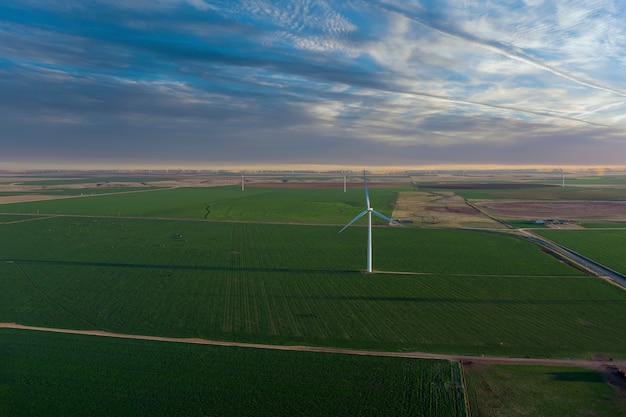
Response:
column 286, row 284
column 47, row 374
column 221, row 203
column 164, row 262
column 16, row 218
column 607, row 247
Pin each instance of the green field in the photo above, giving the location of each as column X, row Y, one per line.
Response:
column 598, row 180
column 219, row 263
column 317, row 206
column 13, row 218
column 607, row 247
column 75, row 192
column 46, row 374
column 285, row 284
column 516, row 391
column 606, row 224
column 88, row 180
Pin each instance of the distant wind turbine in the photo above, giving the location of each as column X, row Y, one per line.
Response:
column 369, row 210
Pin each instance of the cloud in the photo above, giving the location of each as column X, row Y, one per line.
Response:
column 508, row 50
column 311, row 80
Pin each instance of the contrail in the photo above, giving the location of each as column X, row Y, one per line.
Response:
column 496, row 106
column 389, row 90
column 516, row 54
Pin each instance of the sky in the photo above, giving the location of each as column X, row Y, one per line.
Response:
column 411, row 83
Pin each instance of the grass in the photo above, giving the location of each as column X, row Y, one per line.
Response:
column 285, row 284
column 317, row 206
column 477, row 293
column 607, row 247
column 603, row 224
column 75, row 192
column 599, row 180
column 525, row 224
column 515, row 390
column 12, row 218
column 47, row 374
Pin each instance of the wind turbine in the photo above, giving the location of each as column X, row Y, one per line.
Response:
column 369, row 210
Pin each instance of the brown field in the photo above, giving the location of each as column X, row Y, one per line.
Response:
column 444, row 209
column 567, row 210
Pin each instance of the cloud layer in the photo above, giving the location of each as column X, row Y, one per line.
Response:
column 352, row 82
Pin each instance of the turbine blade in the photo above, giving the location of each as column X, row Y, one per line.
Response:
column 367, row 194
column 382, row 216
column 358, row 216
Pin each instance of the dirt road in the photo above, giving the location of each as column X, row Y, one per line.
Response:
column 600, row 364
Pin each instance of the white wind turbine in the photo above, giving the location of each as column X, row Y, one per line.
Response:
column 369, row 210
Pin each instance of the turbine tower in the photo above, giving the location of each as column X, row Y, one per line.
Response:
column 369, row 210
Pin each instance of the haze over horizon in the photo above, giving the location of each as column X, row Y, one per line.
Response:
column 312, row 83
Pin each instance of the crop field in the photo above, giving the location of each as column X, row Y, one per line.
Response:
column 317, row 206
column 515, row 390
column 599, row 180
column 52, row 375
column 251, row 282
column 15, row 218
column 607, row 247
column 88, row 180
column 68, row 192
column 268, row 266
column 607, row 224
column 443, row 209
column 568, row 193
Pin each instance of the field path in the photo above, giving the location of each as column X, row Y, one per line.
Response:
column 599, row 365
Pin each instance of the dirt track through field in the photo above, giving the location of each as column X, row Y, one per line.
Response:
column 599, row 365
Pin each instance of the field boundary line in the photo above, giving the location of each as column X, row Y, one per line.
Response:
column 46, row 197
column 44, row 217
column 583, row 363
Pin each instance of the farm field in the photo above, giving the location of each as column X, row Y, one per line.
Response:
column 13, row 218
column 441, row 209
column 51, row 375
column 607, row 247
column 69, row 192
column 583, row 201
column 607, row 224
column 516, row 390
column 569, row 193
column 250, row 282
column 315, row 205
column 268, row 266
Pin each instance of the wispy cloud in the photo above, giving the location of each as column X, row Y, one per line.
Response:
column 509, row 50
column 375, row 81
